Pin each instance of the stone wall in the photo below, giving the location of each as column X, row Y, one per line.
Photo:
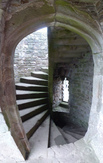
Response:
column 73, row 60
column 31, row 54
column 79, row 16
column 57, row 91
column 81, row 84
column 80, row 75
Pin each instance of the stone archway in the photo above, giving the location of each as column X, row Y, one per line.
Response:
column 29, row 18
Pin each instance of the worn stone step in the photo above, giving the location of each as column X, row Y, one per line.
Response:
column 33, row 80
column 39, row 141
column 61, row 109
column 79, row 131
column 69, row 138
column 37, row 124
column 28, row 110
column 75, row 135
column 24, row 104
column 56, row 138
column 44, row 69
column 33, row 113
column 64, row 104
column 40, row 74
column 29, row 95
column 31, row 87
column 32, row 121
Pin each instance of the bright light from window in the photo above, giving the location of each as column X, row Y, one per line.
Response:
column 65, row 90
column 43, row 30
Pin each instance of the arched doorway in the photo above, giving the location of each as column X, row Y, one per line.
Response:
column 16, row 28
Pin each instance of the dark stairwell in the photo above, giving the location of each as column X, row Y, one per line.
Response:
column 72, row 60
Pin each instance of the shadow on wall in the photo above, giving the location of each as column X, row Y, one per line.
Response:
column 80, row 75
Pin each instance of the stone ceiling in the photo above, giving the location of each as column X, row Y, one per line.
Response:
column 93, row 7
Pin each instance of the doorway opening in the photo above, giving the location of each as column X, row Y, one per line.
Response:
column 23, row 20
column 31, row 68
column 31, row 54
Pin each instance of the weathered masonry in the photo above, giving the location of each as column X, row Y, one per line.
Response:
column 31, row 54
column 75, row 49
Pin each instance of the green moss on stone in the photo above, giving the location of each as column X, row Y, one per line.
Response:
column 1, row 13
column 6, row 119
column 65, row 4
column 75, row 10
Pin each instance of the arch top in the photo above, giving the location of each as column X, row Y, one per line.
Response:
column 61, row 13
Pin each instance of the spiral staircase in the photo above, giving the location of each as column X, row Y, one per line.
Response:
column 32, row 100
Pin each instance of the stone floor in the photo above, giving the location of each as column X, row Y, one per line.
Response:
column 77, row 152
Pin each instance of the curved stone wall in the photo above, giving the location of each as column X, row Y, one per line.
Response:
column 19, row 19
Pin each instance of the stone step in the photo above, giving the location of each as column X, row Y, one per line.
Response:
column 33, row 80
column 79, row 131
column 64, row 104
column 37, row 124
column 75, row 135
column 28, row 110
column 30, row 94
column 24, row 104
column 33, row 113
column 56, row 138
column 32, row 121
column 69, row 138
column 61, row 109
column 31, row 87
column 44, row 69
column 40, row 74
column 39, row 142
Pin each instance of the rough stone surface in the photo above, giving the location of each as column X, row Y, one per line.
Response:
column 65, row 46
column 78, row 152
column 84, row 17
column 80, row 75
column 57, row 92
column 74, row 61
column 31, row 54
column 80, row 89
